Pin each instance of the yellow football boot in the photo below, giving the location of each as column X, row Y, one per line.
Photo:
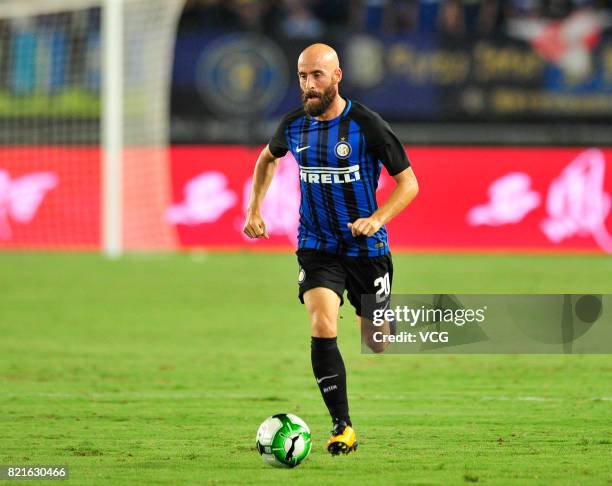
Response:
column 343, row 439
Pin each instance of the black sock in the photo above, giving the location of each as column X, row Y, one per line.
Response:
column 328, row 368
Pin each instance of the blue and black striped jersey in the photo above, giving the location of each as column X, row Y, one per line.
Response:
column 340, row 162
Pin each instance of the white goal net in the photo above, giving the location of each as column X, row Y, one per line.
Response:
column 84, row 115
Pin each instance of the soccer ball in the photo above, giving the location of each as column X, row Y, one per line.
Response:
column 283, row 440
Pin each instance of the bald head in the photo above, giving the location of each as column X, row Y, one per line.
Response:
column 319, row 72
column 320, row 54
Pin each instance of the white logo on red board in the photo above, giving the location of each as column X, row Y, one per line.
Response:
column 206, row 198
column 510, row 199
column 576, row 202
column 281, row 206
column 21, row 197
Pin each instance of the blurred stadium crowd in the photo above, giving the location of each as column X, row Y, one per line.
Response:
column 311, row 19
column 443, row 62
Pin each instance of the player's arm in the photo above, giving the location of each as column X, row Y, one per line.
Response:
column 254, row 225
column 388, row 149
column 405, row 190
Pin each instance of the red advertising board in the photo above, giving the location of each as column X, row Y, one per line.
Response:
column 471, row 199
column 50, row 197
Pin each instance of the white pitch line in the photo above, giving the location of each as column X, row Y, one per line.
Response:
column 544, row 399
column 271, row 398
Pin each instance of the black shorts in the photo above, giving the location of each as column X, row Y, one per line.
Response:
column 358, row 275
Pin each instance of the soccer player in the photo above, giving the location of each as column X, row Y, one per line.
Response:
column 340, row 147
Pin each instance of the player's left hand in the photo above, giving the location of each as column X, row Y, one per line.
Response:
column 365, row 226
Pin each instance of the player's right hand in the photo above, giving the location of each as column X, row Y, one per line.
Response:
column 254, row 226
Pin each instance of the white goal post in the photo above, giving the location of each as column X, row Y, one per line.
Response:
column 130, row 120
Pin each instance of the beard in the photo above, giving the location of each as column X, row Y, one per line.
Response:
column 322, row 100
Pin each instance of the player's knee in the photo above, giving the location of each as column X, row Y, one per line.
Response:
column 323, row 326
column 374, row 336
column 377, row 346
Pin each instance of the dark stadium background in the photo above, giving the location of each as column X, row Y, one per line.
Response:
column 444, row 72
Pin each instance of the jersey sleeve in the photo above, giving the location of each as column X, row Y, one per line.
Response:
column 388, row 149
column 278, row 142
column 381, row 141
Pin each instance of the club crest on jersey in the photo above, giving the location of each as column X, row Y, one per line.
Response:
column 343, row 150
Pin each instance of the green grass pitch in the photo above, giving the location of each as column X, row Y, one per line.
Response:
column 158, row 370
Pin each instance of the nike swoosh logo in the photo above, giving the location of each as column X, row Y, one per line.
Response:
column 319, row 380
column 299, row 149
